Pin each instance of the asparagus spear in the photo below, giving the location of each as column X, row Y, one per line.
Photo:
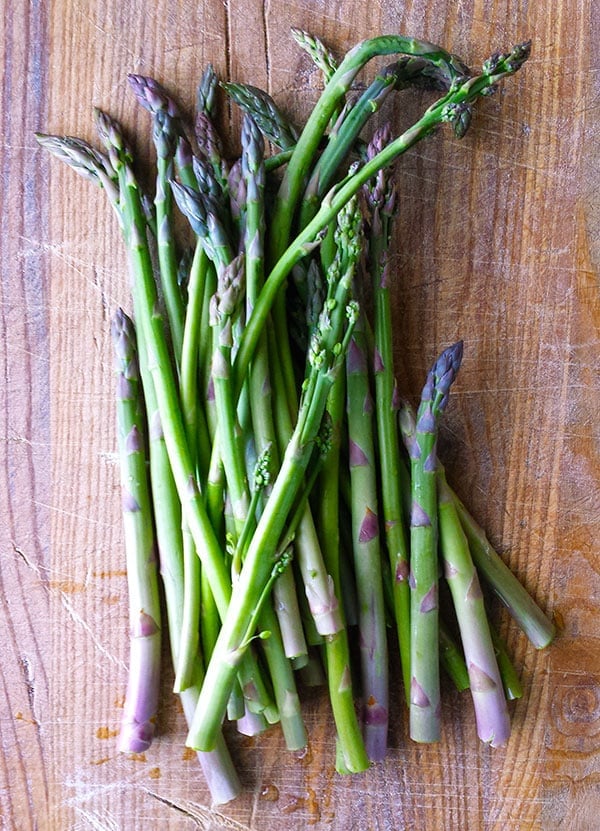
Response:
column 318, row 120
column 510, row 679
column 264, row 111
column 141, row 701
column 317, row 50
column 452, row 660
column 153, row 97
column 381, row 197
column 366, row 548
column 491, row 712
column 449, row 108
column 327, row 351
column 259, row 382
column 421, row 446
column 523, row 608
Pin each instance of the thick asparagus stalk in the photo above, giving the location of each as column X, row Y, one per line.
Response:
column 491, row 712
column 141, row 701
column 421, row 446
column 366, row 548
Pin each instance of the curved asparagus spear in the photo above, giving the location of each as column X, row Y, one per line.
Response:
column 333, row 93
column 141, row 701
column 449, row 108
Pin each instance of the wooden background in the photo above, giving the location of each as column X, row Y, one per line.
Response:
column 498, row 243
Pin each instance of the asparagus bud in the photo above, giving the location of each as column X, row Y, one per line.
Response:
column 265, row 112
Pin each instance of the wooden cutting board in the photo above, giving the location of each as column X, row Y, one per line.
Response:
column 498, row 242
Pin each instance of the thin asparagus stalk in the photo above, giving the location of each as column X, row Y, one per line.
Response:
column 449, row 108
column 248, row 591
column 352, row 756
column 342, row 137
column 381, row 197
column 197, row 434
column 421, row 446
column 491, row 712
column 284, row 683
column 224, row 305
column 259, row 384
column 510, row 679
column 523, row 608
column 452, row 660
column 141, row 701
column 154, row 98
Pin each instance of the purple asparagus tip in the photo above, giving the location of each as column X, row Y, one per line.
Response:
column 152, row 95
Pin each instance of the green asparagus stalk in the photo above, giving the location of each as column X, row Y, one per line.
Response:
column 141, row 701
column 328, row 349
column 351, row 756
column 342, row 138
column 164, row 111
column 510, row 679
column 452, row 660
column 449, row 108
column 523, row 608
column 224, row 305
column 197, row 434
column 381, row 197
column 421, row 446
column 259, row 383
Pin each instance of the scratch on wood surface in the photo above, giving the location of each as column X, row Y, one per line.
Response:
column 205, row 818
column 99, row 821
column 76, row 618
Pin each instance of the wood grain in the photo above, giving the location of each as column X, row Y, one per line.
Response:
column 498, row 242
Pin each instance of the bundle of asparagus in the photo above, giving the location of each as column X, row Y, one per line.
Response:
column 259, row 420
